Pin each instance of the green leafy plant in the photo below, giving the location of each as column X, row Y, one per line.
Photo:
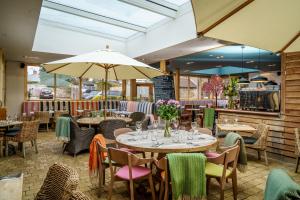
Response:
column 231, row 90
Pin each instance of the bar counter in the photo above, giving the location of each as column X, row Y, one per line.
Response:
column 248, row 112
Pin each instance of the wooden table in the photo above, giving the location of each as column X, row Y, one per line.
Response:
column 235, row 127
column 94, row 121
column 144, row 142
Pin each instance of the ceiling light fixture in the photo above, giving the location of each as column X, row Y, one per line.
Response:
column 243, row 80
column 188, row 63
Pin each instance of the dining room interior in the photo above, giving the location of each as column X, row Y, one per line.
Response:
column 160, row 99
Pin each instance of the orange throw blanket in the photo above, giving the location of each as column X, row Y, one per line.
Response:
column 94, row 162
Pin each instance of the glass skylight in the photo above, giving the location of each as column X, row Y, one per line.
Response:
column 116, row 10
column 177, row 2
column 84, row 23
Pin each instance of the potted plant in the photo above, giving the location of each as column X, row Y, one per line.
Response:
column 167, row 110
column 231, row 91
column 214, row 86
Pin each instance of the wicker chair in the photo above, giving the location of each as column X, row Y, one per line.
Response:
column 297, row 148
column 107, row 127
column 3, row 113
column 59, row 183
column 43, row 117
column 77, row 195
column 80, row 138
column 258, row 141
column 27, row 133
column 137, row 116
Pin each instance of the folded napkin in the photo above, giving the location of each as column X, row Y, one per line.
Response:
column 187, row 174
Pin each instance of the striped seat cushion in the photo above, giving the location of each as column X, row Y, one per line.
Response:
column 145, row 107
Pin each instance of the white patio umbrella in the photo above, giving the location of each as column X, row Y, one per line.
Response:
column 266, row 24
column 102, row 64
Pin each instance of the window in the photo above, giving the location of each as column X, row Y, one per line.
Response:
column 93, row 89
column 40, row 85
column 191, row 88
column 67, row 87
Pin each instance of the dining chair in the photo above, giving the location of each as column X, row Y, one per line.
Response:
column 297, row 148
column 205, row 131
column 136, row 116
column 258, row 141
column 130, row 171
column 223, row 167
column 78, row 195
column 59, row 113
column 27, row 133
column 59, row 183
column 107, row 127
column 162, row 164
column 43, row 117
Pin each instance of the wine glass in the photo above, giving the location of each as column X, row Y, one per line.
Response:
column 155, row 124
column 138, row 126
column 175, row 124
column 194, row 126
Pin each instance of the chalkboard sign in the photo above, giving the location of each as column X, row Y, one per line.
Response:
column 164, row 87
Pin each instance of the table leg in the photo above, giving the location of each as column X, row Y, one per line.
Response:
column 193, row 115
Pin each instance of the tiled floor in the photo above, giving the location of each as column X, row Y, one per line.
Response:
column 250, row 184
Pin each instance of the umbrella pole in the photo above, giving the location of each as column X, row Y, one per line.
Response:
column 105, row 92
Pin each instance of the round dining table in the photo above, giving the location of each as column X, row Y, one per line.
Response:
column 155, row 142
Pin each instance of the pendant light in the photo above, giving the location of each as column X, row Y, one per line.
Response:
column 243, row 80
column 259, row 78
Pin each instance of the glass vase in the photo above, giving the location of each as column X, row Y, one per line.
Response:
column 167, row 131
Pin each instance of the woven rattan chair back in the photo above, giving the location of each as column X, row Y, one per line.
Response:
column 262, row 136
column 42, row 116
column 78, row 195
column 107, row 127
column 28, row 132
column 59, row 183
column 120, row 131
column 137, row 116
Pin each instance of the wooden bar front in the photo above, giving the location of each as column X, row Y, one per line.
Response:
column 281, row 139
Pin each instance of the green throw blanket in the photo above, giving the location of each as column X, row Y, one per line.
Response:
column 209, row 118
column 281, row 187
column 62, row 128
column 187, row 174
column 230, row 139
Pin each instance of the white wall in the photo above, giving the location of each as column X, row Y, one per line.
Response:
column 2, row 76
column 14, row 87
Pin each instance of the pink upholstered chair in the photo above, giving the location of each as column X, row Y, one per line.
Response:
column 131, row 170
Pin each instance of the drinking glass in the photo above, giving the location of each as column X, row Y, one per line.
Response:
column 138, row 126
column 155, row 124
column 194, row 126
column 176, row 124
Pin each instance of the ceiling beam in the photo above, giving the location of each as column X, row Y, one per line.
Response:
column 160, row 7
column 93, row 16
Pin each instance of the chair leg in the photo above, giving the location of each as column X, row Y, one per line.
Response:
column 161, row 189
column 151, row 186
column 166, row 191
column 234, row 186
column 110, row 189
column 23, row 149
column 1, row 148
column 258, row 155
column 6, row 148
column 35, row 146
column 47, row 125
column 100, row 184
column 207, row 185
column 266, row 157
column 31, row 142
column 131, row 190
column 297, row 164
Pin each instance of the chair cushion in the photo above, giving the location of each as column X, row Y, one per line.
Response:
column 13, row 129
column 210, row 154
column 215, row 170
column 249, row 140
column 12, row 133
column 137, row 172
